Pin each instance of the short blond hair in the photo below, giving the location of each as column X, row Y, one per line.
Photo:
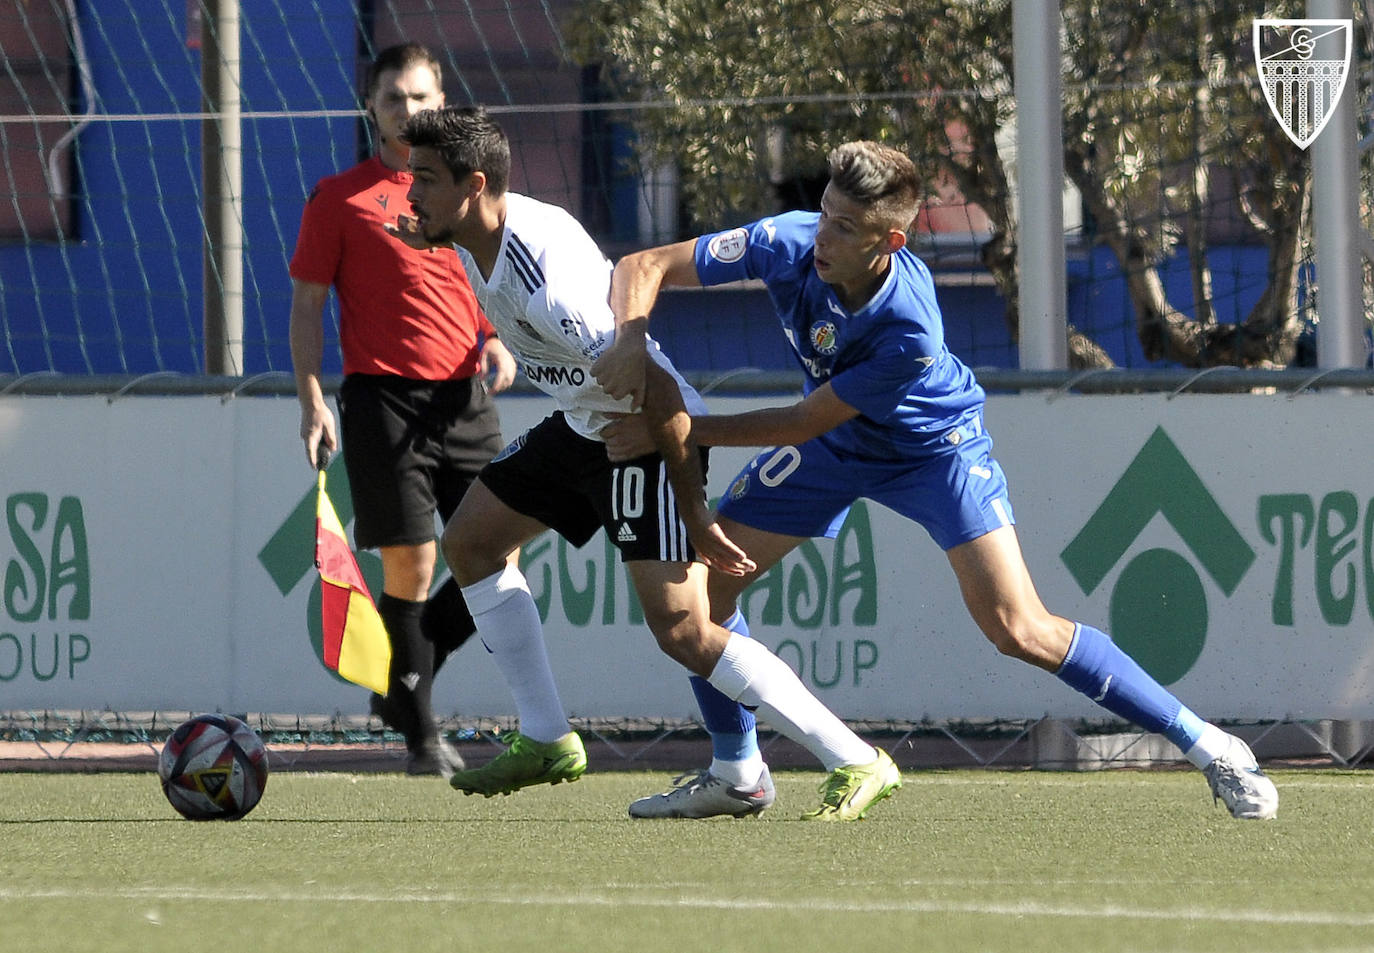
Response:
column 880, row 177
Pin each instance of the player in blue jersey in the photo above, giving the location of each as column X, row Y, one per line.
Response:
column 888, row 414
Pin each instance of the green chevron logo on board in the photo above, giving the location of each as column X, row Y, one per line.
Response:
column 1158, row 610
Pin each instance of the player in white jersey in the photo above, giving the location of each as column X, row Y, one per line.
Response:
column 552, row 307
column 545, row 286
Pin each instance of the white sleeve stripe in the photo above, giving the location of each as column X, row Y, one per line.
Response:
column 999, row 507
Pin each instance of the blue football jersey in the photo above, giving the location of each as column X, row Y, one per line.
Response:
column 888, row 359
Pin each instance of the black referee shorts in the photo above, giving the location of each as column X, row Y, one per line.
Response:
column 567, row 482
column 412, row 448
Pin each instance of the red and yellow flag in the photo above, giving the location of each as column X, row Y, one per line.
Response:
column 355, row 640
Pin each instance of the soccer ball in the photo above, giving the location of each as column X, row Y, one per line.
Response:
column 213, row 768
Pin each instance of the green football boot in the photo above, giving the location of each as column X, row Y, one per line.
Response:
column 524, row 763
column 849, row 791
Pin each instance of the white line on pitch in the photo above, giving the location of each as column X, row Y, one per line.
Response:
column 1023, row 909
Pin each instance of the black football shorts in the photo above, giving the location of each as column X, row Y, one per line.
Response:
column 412, row 448
column 567, row 482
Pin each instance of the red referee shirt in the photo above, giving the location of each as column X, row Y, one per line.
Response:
column 401, row 311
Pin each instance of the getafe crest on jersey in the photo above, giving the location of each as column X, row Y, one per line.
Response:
column 823, row 337
column 1303, row 65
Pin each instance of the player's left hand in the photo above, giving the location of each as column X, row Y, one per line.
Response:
column 626, row 437
column 496, row 364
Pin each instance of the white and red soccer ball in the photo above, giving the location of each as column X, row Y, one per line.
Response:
column 213, row 767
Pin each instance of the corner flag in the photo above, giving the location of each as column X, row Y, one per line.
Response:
column 355, row 640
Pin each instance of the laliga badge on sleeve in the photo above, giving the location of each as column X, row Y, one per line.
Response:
column 1303, row 65
column 728, row 247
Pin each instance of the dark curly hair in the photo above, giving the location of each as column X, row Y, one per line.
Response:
column 467, row 139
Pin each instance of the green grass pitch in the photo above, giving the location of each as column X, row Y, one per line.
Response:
column 955, row 861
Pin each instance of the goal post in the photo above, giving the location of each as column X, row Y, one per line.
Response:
column 1040, row 184
column 221, row 150
column 1336, row 224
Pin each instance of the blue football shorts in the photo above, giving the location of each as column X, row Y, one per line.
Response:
column 957, row 492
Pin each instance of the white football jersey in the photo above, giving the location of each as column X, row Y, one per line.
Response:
column 549, row 299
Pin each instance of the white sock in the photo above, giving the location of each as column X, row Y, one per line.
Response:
column 738, row 774
column 754, row 676
column 508, row 625
column 1210, row 745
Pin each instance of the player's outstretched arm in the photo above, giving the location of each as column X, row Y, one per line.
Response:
column 630, row 435
column 670, row 427
column 820, row 411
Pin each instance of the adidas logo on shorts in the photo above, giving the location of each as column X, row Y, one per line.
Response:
column 626, row 535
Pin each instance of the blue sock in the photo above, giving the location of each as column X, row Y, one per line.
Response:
column 1110, row 677
column 731, row 724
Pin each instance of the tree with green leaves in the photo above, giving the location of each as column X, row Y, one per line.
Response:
column 1167, row 136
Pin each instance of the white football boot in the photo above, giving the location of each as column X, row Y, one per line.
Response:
column 702, row 794
column 1237, row 781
